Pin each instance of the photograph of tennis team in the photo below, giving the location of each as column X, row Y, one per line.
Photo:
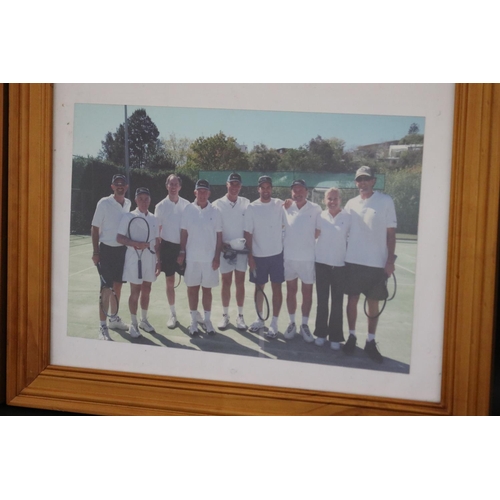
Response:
column 281, row 235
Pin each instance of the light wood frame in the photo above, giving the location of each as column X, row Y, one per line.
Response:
column 470, row 290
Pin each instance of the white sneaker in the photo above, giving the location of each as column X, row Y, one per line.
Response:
column 223, row 322
column 104, row 333
column 335, row 346
column 116, row 323
column 320, row 341
column 199, row 318
column 290, row 331
column 257, row 325
column 240, row 322
column 193, row 328
column 146, row 326
column 134, row 332
column 272, row 333
column 306, row 334
column 172, row 322
column 209, row 328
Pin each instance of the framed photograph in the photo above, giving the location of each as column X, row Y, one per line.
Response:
column 459, row 362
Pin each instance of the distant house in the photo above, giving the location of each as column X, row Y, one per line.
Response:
column 242, row 148
column 396, row 150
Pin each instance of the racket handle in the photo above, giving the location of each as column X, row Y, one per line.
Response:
column 139, row 269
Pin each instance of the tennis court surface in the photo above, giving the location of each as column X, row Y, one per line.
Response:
column 393, row 333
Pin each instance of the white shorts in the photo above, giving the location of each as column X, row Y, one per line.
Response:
column 201, row 273
column 240, row 265
column 302, row 269
column 130, row 271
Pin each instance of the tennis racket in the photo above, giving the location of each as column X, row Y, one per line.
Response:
column 138, row 230
column 259, row 292
column 388, row 299
column 108, row 300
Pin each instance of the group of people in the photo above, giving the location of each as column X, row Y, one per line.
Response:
column 348, row 250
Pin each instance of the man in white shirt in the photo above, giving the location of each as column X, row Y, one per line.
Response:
column 299, row 245
column 370, row 256
column 140, row 287
column 201, row 244
column 264, row 224
column 169, row 214
column 232, row 208
column 108, row 253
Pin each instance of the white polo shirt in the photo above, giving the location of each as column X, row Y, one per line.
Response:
column 107, row 217
column 370, row 219
column 233, row 217
column 202, row 226
column 300, row 226
column 169, row 216
column 331, row 245
column 265, row 222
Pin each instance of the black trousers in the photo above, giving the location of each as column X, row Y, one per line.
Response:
column 330, row 296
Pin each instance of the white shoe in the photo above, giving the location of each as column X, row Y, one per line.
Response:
column 134, row 332
column 146, row 326
column 172, row 322
column 290, row 331
column 320, row 341
column 116, row 323
column 240, row 322
column 257, row 325
column 335, row 346
column 223, row 322
column 272, row 333
column 306, row 334
column 193, row 328
column 209, row 328
column 104, row 333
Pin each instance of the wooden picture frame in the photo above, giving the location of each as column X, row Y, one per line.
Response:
column 470, row 290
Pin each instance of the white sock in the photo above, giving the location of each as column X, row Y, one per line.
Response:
column 240, row 311
column 352, row 332
column 207, row 315
column 144, row 314
column 292, row 318
column 102, row 323
column 274, row 321
column 172, row 310
column 133, row 317
column 194, row 316
column 225, row 311
column 371, row 336
column 305, row 320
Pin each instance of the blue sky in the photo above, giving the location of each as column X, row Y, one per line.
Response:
column 276, row 129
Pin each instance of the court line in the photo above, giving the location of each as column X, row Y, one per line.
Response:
column 406, row 269
column 82, row 271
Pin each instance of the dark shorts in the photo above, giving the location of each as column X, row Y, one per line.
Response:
column 168, row 255
column 369, row 281
column 271, row 267
column 112, row 260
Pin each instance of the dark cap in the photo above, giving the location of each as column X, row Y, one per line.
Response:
column 234, row 177
column 265, row 178
column 202, row 184
column 119, row 177
column 367, row 171
column 139, row 191
column 299, row 182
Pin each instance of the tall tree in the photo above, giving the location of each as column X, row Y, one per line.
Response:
column 264, row 159
column 142, row 141
column 177, row 148
column 414, row 129
column 217, row 152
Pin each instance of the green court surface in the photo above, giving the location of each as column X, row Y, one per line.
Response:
column 393, row 333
